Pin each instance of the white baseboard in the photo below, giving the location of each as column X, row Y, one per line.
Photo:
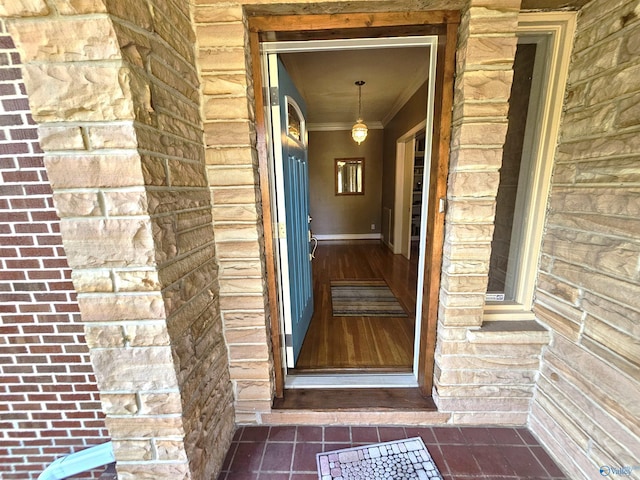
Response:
column 350, row 236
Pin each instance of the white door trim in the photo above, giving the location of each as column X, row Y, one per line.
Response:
column 364, row 380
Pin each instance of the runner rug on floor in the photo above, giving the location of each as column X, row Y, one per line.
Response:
column 406, row 459
column 364, row 298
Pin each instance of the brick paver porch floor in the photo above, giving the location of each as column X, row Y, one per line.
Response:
column 461, row 453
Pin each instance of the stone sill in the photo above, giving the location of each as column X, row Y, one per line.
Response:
column 506, row 311
column 364, row 417
column 510, row 331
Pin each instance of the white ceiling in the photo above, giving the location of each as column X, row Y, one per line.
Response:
column 326, row 81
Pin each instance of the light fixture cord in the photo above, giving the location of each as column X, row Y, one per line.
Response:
column 359, row 102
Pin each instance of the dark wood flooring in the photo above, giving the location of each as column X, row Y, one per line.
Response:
column 354, row 344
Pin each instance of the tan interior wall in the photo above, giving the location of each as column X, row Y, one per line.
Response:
column 412, row 113
column 586, row 408
column 344, row 214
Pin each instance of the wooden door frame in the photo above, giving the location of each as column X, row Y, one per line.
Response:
column 443, row 23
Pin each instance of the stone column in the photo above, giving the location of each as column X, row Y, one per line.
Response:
column 480, row 376
column 233, row 176
column 114, row 90
column 484, row 72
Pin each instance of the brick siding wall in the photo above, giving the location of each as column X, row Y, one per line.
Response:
column 49, row 403
column 586, row 409
column 114, row 89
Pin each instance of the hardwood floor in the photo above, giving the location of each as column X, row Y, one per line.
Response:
column 352, row 344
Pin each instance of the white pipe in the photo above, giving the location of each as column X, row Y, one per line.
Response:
column 74, row 463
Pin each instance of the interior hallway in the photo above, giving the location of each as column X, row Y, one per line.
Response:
column 355, row 343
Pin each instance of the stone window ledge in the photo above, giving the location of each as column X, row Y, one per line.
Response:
column 510, row 331
column 506, row 311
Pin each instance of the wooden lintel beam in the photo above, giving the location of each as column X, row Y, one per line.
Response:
column 290, row 23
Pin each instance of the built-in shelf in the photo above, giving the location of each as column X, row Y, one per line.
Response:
column 418, row 175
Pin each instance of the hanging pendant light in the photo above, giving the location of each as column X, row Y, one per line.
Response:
column 359, row 129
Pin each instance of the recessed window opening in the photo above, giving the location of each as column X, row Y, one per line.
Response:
column 516, row 200
column 540, row 70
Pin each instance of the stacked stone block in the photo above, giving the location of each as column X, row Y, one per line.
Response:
column 179, row 205
column 148, row 155
column 233, row 177
column 483, row 83
column 119, row 116
column 49, row 402
column 585, row 409
column 485, row 371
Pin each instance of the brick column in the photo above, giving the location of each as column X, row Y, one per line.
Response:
column 116, row 99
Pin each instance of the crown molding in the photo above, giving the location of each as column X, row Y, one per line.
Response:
column 403, row 99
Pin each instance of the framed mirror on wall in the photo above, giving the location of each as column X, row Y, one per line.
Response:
column 349, row 176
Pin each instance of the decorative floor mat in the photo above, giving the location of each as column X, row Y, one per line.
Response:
column 400, row 459
column 364, row 298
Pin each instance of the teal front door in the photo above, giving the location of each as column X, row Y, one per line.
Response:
column 292, row 178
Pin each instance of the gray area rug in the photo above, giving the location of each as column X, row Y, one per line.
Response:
column 364, row 298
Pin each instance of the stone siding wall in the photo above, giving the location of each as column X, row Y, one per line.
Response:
column 482, row 383
column 586, row 409
column 114, row 89
column 49, row 402
column 482, row 375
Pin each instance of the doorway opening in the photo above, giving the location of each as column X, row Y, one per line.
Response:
column 359, row 340
column 410, row 181
column 341, row 341
column 359, row 33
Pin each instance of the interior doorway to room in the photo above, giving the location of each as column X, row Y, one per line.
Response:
column 411, row 188
column 361, row 339
column 267, row 37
